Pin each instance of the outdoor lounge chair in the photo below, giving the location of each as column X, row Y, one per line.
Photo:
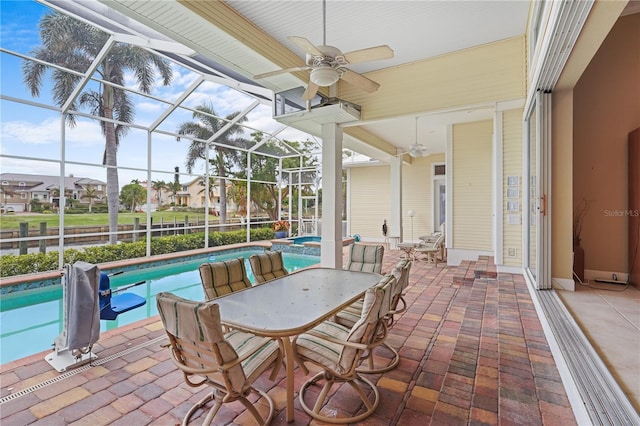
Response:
column 432, row 249
column 267, row 266
column 338, row 350
column 220, row 278
column 365, row 258
column 229, row 363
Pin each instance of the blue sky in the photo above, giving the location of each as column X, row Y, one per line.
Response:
column 35, row 132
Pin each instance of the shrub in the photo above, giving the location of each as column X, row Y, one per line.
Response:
column 11, row 265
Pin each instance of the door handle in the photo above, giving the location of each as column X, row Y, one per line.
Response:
column 543, row 209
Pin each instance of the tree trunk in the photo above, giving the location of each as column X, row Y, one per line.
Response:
column 223, row 191
column 111, row 161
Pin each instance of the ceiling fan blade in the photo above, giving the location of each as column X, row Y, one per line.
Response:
column 369, row 54
column 282, row 71
column 306, row 45
column 360, row 81
column 311, row 91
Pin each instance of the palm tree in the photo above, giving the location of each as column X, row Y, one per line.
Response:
column 159, row 186
column 212, row 190
column 174, row 188
column 91, row 194
column 75, row 45
column 55, row 193
column 206, row 126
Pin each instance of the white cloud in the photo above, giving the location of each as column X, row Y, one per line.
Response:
column 15, row 165
column 48, row 132
column 150, row 107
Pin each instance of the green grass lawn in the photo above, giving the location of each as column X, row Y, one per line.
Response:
column 12, row 221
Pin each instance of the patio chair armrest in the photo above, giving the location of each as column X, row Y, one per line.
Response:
column 190, row 370
column 331, row 339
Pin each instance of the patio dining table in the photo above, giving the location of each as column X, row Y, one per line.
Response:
column 292, row 304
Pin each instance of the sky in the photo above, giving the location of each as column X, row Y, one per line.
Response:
column 29, row 131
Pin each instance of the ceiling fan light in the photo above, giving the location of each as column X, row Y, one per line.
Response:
column 417, row 150
column 325, row 76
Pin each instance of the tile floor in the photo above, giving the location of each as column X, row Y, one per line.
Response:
column 473, row 352
column 609, row 315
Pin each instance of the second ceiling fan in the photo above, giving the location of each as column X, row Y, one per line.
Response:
column 327, row 64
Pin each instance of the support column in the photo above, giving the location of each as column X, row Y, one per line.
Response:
column 395, row 223
column 331, row 245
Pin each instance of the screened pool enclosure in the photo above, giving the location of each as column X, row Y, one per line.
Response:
column 102, row 114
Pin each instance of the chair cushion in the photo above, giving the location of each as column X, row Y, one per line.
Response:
column 220, row 278
column 261, row 360
column 375, row 307
column 349, row 315
column 366, row 258
column 321, row 351
column 267, row 266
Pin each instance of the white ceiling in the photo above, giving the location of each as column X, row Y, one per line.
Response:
column 415, row 30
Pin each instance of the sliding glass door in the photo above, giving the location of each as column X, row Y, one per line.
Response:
column 532, row 191
column 537, row 163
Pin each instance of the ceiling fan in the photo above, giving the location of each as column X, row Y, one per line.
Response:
column 328, row 64
column 417, row 149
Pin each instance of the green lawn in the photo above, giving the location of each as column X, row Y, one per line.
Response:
column 12, row 221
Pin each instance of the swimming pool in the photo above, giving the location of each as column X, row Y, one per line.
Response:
column 30, row 320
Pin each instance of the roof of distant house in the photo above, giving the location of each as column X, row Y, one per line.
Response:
column 48, row 183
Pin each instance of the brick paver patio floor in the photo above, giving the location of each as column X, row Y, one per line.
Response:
column 472, row 352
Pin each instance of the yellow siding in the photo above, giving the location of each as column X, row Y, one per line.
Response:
column 370, row 201
column 472, row 194
column 487, row 73
column 512, row 166
column 417, row 195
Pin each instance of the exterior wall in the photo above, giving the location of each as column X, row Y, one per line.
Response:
column 606, row 108
column 370, row 194
column 472, row 186
column 512, row 166
column 417, row 195
column 369, row 190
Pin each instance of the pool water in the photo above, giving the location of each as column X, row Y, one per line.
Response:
column 30, row 320
column 305, row 239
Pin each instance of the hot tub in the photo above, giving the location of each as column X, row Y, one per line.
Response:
column 304, row 244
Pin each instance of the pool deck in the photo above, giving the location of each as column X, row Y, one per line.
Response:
column 472, row 352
